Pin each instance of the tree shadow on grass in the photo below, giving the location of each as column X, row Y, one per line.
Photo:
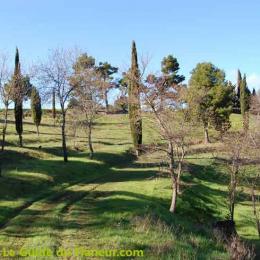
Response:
column 209, row 173
column 196, row 208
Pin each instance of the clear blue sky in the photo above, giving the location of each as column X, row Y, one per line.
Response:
column 225, row 32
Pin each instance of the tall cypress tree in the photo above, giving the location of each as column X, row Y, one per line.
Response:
column 36, row 108
column 244, row 96
column 237, row 96
column 245, row 103
column 18, row 97
column 134, row 102
column 239, row 80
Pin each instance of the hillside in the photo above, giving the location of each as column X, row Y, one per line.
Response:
column 113, row 201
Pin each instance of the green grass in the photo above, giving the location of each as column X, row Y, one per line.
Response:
column 112, row 201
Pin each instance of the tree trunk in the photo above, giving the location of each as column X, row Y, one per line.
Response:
column 63, row 133
column 174, row 197
column 179, row 177
column 91, row 150
column 4, row 127
column 106, row 102
column 173, row 177
column 37, row 129
column 233, row 184
column 206, row 135
column 53, row 107
column 3, row 138
column 232, row 209
column 20, row 140
column 74, row 137
column 255, row 211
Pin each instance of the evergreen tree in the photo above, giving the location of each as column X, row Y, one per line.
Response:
column 245, row 103
column 134, row 101
column 36, row 108
column 239, row 80
column 18, row 97
column 170, row 68
column 244, row 96
column 106, row 71
column 210, row 97
column 236, row 102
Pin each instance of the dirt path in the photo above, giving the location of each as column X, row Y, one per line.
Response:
column 41, row 223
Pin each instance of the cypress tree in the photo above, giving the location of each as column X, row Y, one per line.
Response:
column 239, row 80
column 245, row 103
column 244, row 96
column 18, row 98
column 134, row 102
column 237, row 98
column 36, row 108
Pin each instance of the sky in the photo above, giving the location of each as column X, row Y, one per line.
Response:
column 224, row 32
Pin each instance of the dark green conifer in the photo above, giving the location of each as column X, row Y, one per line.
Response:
column 244, row 96
column 134, row 102
column 36, row 108
column 18, row 98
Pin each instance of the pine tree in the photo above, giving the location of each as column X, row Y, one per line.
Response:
column 18, row 98
column 170, row 68
column 134, row 102
column 36, row 108
column 106, row 71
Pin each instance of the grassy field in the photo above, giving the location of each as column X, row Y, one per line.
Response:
column 113, row 201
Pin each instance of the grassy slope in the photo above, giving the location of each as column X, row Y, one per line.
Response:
column 111, row 201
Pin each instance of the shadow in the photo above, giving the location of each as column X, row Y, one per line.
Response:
column 46, row 181
column 108, row 143
column 207, row 173
column 27, row 123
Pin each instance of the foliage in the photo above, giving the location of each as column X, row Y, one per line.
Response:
column 170, row 68
column 87, row 93
column 210, row 96
column 106, row 70
column 84, row 61
column 244, row 96
column 36, row 107
column 134, row 106
column 121, row 104
column 17, row 83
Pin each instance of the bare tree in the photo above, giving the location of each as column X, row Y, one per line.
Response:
column 75, row 118
column 5, row 93
column 256, row 201
column 88, row 93
column 166, row 106
column 56, row 73
column 254, row 152
column 255, row 105
column 235, row 144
